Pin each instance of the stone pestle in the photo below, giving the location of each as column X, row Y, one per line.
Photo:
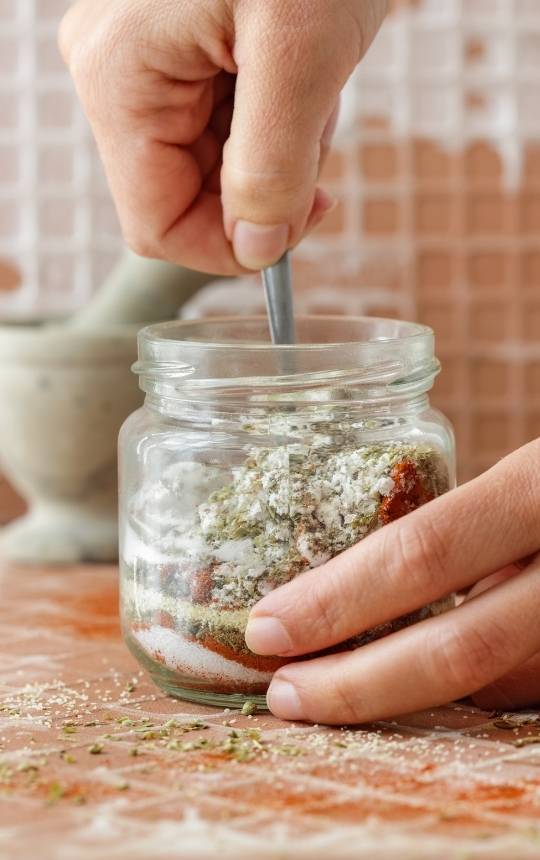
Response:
column 139, row 290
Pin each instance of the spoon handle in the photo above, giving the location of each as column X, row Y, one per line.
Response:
column 279, row 301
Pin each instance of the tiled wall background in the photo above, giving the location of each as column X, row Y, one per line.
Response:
column 437, row 171
column 58, row 230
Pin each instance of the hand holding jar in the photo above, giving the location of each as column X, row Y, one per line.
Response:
column 485, row 536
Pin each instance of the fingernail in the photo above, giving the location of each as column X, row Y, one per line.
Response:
column 258, row 245
column 267, row 636
column 284, row 701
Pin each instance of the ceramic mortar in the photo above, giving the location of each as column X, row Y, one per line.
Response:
column 64, row 394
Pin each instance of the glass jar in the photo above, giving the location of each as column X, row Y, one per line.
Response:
column 250, row 464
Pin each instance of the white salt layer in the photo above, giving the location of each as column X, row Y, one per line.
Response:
column 135, row 548
column 180, row 655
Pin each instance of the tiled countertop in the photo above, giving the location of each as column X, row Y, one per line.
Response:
column 91, row 766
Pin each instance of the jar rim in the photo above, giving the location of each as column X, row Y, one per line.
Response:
column 393, row 356
column 168, row 333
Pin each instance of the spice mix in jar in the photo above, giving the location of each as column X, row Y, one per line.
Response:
column 250, row 464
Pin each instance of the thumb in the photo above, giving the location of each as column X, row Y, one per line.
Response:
column 290, row 74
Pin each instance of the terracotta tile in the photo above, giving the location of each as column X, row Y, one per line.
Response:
column 442, row 402
column 104, row 220
column 489, row 378
column 48, row 57
column 532, row 380
column 532, row 422
column 55, row 110
column 482, row 164
column 56, row 218
column 530, row 268
column 488, row 269
column 435, row 269
column 489, row 321
column 10, row 164
column 50, row 9
column 334, row 166
column 491, row 432
column 400, row 4
column 530, row 213
column 333, row 223
column 379, row 162
column 530, row 322
column 381, row 216
column 324, row 306
column 473, row 100
column 9, row 220
column 529, row 8
column 10, row 110
column 375, row 309
column 10, row 57
column 474, row 49
column 447, row 384
column 531, row 164
column 490, row 214
column 431, row 163
column 528, row 50
column 10, row 276
column 436, row 214
column 11, row 504
column 443, row 318
column 527, row 107
column 55, row 164
column 375, row 122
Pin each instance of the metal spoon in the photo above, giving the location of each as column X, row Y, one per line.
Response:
column 279, row 301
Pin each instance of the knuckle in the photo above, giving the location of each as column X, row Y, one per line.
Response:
column 325, row 614
column 258, row 185
column 517, row 476
column 529, row 486
column 266, row 181
column 469, row 658
column 94, row 54
column 346, row 701
column 421, row 554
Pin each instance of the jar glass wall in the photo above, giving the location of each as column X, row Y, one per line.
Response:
column 251, row 464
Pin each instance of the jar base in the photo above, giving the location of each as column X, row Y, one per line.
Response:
column 235, row 701
column 181, row 686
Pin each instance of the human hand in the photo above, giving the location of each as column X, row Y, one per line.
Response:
column 488, row 646
column 212, row 117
